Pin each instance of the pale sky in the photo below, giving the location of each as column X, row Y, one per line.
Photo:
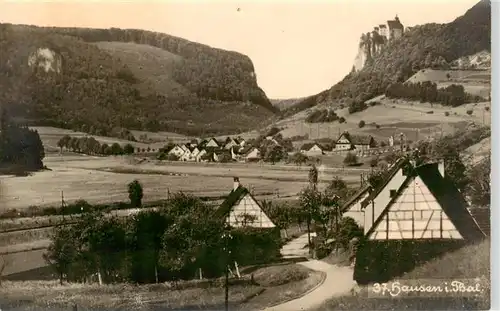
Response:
column 298, row 48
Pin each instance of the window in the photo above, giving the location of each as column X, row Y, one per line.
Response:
column 392, row 193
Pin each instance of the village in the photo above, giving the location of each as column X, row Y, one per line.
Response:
column 254, row 150
column 140, row 170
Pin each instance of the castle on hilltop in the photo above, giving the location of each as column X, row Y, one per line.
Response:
column 371, row 43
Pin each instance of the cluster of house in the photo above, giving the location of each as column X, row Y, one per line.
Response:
column 345, row 142
column 213, row 150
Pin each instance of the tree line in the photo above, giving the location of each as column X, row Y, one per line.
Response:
column 97, row 92
column 91, row 146
column 453, row 95
column 176, row 241
column 21, row 148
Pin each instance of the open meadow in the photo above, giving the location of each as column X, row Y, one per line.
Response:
column 105, row 179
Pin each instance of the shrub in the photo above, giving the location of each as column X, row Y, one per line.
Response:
column 470, row 112
column 350, row 159
column 357, row 106
column 383, row 143
column 430, row 112
column 377, row 126
column 361, row 124
column 342, row 120
column 446, row 113
column 374, row 162
column 487, row 108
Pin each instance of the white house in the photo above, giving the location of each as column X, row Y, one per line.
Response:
column 352, row 208
column 312, row 149
column 347, row 141
column 426, row 205
column 200, row 155
column 212, row 143
column 187, row 155
column 241, row 209
column 177, row 151
column 253, row 154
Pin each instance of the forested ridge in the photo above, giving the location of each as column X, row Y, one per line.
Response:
column 425, row 46
column 100, row 92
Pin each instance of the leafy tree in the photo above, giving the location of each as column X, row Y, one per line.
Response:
column 135, row 193
column 63, row 142
column 299, row 158
column 350, row 159
column 116, row 149
column 274, row 153
column 128, row 149
column 20, row 147
column 62, row 252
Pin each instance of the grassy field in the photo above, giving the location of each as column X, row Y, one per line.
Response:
column 272, row 285
column 471, row 263
column 98, row 180
column 418, row 122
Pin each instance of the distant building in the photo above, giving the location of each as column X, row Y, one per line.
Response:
column 241, row 209
column 312, row 149
column 396, row 29
column 347, row 141
column 252, row 154
column 213, row 143
column 177, row 151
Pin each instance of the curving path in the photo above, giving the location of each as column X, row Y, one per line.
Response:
column 338, row 282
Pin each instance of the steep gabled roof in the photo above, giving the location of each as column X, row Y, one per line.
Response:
column 392, row 171
column 307, row 146
column 446, row 194
column 233, row 197
column 360, row 139
column 362, row 191
column 356, row 139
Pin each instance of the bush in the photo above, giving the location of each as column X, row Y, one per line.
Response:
column 350, row 159
column 380, row 261
column 361, row 124
column 470, row 112
column 357, row 106
column 446, row 113
column 377, row 126
column 383, row 143
column 374, row 162
column 487, row 108
column 430, row 112
column 342, row 120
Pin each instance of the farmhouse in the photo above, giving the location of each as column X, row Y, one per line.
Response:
column 347, row 141
column 426, row 206
column 417, row 215
column 212, row 142
column 312, row 149
column 252, row 154
column 177, row 150
column 352, row 208
column 241, row 209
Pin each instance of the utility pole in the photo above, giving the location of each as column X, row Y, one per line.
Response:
column 62, row 205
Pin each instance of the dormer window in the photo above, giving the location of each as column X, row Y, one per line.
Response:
column 392, row 193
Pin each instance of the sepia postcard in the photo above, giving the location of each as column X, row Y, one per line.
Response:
column 245, row 155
